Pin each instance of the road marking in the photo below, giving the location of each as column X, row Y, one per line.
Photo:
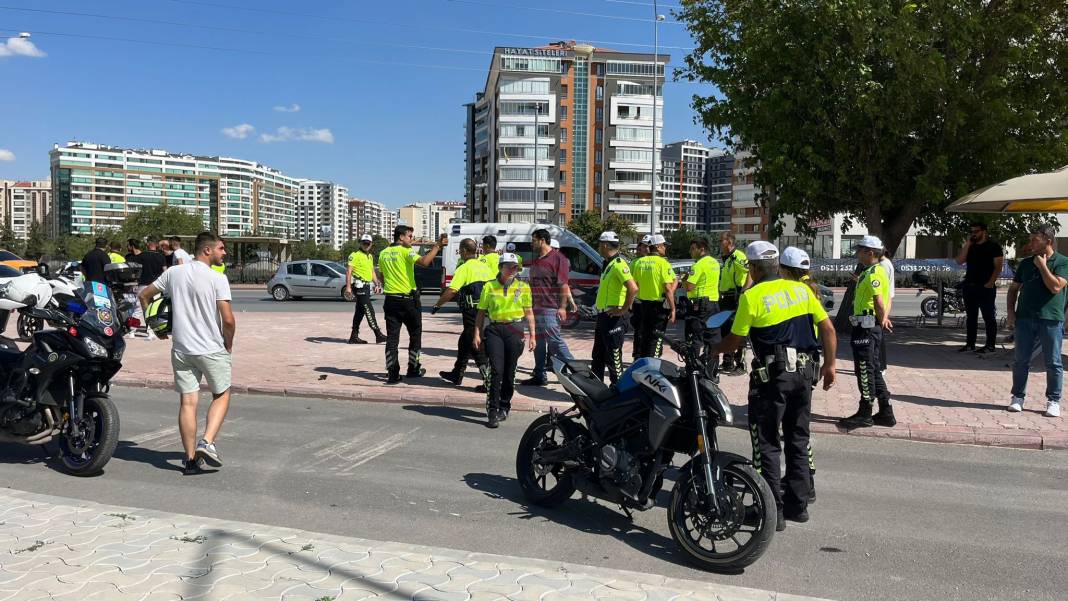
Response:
column 171, row 432
column 141, row 439
column 393, row 442
column 333, row 450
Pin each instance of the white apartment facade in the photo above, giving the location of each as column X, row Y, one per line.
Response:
column 370, row 217
column 322, row 213
column 430, row 219
column 23, row 203
column 95, row 187
column 695, row 188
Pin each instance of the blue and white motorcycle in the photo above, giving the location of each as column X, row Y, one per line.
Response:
column 616, row 442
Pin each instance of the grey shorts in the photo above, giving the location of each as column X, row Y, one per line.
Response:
column 188, row 369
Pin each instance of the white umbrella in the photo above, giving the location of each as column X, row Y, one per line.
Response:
column 1036, row 193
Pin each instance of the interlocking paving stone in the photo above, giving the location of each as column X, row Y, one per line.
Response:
column 156, row 556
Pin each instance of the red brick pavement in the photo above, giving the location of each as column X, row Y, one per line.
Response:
column 940, row 395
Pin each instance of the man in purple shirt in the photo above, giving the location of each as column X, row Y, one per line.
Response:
column 548, row 285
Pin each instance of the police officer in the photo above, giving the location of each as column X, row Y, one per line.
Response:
column 642, row 250
column 795, row 265
column 871, row 317
column 656, row 289
column 733, row 279
column 780, row 318
column 360, row 277
column 702, row 294
column 489, row 253
column 507, row 302
column 614, row 298
column 466, row 287
column 396, row 270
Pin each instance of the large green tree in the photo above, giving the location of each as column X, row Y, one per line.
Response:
column 886, row 110
column 590, row 225
column 161, row 220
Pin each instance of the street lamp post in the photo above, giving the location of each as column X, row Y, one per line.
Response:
column 537, row 113
column 656, row 65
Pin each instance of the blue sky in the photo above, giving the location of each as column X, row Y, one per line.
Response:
column 343, row 95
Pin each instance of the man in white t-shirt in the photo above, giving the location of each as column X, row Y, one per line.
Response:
column 181, row 257
column 202, row 326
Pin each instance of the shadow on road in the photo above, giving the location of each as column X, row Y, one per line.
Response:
column 326, row 339
column 377, row 377
column 454, row 413
column 929, row 402
column 130, row 451
column 585, row 516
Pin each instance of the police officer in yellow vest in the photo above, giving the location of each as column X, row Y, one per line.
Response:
column 733, row 279
column 702, row 295
column 508, row 303
column 360, row 278
column 871, row 303
column 466, row 287
column 614, row 298
column 489, row 253
column 656, row 290
column 780, row 318
column 641, row 250
column 396, row 270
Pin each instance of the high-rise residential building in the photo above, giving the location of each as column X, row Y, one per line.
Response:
column 430, row 219
column 24, row 203
column 323, row 213
column 695, row 188
column 749, row 217
column 370, row 217
column 96, row 186
column 567, row 127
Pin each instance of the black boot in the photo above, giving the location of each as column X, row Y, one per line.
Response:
column 451, row 377
column 860, row 419
column 393, row 378
column 885, row 416
column 353, row 337
column 379, row 337
column 418, row 372
column 493, row 420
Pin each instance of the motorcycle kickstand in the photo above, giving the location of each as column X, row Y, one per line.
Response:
column 630, row 516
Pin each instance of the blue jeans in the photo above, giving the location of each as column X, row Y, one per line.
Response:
column 1029, row 333
column 548, row 341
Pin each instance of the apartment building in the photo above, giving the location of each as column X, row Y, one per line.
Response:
column 23, row 203
column 323, row 213
column 370, row 217
column 563, row 129
column 695, row 188
column 430, row 219
column 95, row 187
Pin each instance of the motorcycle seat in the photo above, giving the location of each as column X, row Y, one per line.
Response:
column 576, row 365
column 593, row 388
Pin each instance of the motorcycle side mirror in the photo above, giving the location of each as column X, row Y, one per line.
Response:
column 42, row 270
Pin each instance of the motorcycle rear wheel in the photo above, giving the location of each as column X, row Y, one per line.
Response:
column 929, row 306
column 87, row 455
column 747, row 512
column 545, row 485
column 28, row 325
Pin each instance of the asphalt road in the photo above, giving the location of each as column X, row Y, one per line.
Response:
column 906, row 303
column 894, row 520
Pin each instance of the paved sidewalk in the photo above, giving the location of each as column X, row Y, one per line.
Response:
column 940, row 395
column 62, row 549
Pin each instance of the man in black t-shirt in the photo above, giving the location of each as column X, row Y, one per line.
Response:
column 94, row 261
column 984, row 259
column 152, row 262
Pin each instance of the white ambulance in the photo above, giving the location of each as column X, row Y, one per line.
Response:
column 585, row 262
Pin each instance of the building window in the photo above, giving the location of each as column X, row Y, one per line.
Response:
column 563, row 198
column 597, row 178
column 600, row 114
column 563, row 112
column 563, row 92
column 598, row 157
column 563, row 134
column 563, row 155
column 563, row 176
column 599, row 136
column 600, row 92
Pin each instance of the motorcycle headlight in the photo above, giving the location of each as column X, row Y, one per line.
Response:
column 95, row 348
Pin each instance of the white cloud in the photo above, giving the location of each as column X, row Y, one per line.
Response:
column 6, row 155
column 19, row 46
column 285, row 134
column 293, row 108
column 239, row 132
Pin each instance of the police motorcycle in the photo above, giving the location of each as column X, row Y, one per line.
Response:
column 64, row 288
column 616, row 442
column 57, row 389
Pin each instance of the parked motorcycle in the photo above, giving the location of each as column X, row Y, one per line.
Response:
column 616, row 442
column 57, row 389
column 952, row 300
column 586, row 309
column 63, row 289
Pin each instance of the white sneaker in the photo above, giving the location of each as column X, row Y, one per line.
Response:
column 1016, row 405
column 1053, row 409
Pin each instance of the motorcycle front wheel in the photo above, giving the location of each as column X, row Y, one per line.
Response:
column 543, row 483
column 98, row 436
column 929, row 306
column 735, row 536
column 28, row 325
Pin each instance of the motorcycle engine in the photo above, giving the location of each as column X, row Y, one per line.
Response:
column 21, row 421
column 620, row 467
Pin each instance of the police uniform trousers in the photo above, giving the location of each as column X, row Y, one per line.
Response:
column 364, row 308
column 636, row 327
column 608, row 347
column 784, row 400
column 465, row 347
column 403, row 309
column 653, row 325
column 729, row 302
column 700, row 310
column 504, row 345
column 867, row 363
